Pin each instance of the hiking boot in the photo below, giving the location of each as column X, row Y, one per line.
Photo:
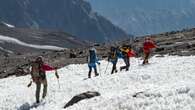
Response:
column 37, row 101
column 127, row 69
column 97, row 74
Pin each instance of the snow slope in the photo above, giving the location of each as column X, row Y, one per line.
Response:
column 168, row 83
column 8, row 25
column 16, row 41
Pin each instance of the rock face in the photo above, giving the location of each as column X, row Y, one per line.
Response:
column 73, row 16
column 82, row 96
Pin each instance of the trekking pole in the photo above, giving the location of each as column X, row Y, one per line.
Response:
column 106, row 68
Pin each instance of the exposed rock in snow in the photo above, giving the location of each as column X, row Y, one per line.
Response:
column 82, row 96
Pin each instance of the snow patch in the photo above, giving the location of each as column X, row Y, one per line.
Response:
column 8, row 25
column 8, row 51
column 16, row 41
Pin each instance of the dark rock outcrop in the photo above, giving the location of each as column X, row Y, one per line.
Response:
column 82, row 96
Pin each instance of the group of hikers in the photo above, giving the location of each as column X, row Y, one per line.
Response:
column 38, row 68
column 125, row 52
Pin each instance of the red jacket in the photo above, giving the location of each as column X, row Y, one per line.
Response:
column 148, row 45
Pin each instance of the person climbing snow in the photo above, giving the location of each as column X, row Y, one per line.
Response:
column 92, row 60
column 113, row 56
column 127, row 52
column 38, row 74
column 147, row 47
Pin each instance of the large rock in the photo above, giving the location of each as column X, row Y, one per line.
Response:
column 82, row 96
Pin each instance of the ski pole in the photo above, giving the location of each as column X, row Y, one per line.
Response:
column 106, row 68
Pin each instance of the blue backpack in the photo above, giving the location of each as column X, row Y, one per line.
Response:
column 92, row 56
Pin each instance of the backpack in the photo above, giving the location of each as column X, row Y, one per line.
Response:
column 92, row 56
column 124, row 50
column 127, row 51
column 36, row 72
column 113, row 52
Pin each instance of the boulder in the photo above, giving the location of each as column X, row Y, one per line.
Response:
column 82, row 96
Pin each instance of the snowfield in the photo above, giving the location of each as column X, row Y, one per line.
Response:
column 168, row 83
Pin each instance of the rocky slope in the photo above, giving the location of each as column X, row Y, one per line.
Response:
column 72, row 16
column 22, row 40
column 172, row 43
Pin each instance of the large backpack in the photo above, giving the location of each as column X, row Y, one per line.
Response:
column 92, row 56
column 127, row 51
column 113, row 52
column 36, row 72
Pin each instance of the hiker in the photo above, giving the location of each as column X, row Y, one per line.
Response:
column 127, row 52
column 113, row 56
column 147, row 47
column 38, row 74
column 92, row 60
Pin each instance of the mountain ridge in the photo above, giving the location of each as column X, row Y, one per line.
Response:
column 72, row 16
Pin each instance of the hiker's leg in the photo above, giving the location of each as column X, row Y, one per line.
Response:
column 127, row 64
column 38, row 87
column 147, row 57
column 89, row 74
column 126, row 60
column 44, row 88
column 113, row 68
column 95, row 70
column 123, row 67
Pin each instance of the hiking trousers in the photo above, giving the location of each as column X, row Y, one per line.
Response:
column 90, row 70
column 127, row 64
column 146, row 57
column 114, row 69
column 38, row 89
